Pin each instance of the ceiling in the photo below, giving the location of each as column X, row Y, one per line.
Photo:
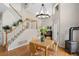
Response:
column 35, row 7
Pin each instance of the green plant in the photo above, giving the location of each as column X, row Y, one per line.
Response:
column 15, row 24
column 20, row 20
column 7, row 27
column 43, row 30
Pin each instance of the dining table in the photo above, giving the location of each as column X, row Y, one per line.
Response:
column 45, row 44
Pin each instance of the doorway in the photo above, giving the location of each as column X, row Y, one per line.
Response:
column 56, row 23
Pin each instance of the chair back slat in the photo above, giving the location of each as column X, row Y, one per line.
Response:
column 32, row 48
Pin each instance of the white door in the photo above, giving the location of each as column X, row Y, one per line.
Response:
column 56, row 31
column 56, row 25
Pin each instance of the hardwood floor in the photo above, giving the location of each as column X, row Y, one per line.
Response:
column 25, row 51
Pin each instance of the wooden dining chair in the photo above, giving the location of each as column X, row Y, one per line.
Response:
column 34, row 51
column 53, row 49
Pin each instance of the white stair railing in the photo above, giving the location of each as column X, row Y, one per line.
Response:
column 14, row 33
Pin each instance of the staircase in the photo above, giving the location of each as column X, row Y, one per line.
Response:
column 18, row 35
column 16, row 32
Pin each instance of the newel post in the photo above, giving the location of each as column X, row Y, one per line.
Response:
column 6, row 39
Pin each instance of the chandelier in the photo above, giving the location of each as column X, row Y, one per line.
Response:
column 43, row 13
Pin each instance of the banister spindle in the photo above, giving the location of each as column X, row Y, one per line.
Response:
column 6, row 40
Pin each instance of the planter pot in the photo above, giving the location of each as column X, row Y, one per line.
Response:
column 42, row 38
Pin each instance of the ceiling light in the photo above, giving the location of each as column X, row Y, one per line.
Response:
column 43, row 13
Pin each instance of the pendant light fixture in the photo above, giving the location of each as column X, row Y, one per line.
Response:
column 43, row 13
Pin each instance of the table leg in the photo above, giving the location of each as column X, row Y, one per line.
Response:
column 45, row 51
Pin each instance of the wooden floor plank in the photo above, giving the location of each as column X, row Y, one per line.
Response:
column 25, row 51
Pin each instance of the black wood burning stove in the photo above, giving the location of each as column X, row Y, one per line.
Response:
column 70, row 45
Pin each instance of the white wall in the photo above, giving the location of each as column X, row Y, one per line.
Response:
column 2, row 9
column 69, row 17
column 0, row 28
column 9, row 16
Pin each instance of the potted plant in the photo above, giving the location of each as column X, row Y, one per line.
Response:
column 7, row 27
column 19, row 21
column 43, row 31
column 14, row 24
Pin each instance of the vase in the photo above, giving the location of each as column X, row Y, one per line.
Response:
column 42, row 38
